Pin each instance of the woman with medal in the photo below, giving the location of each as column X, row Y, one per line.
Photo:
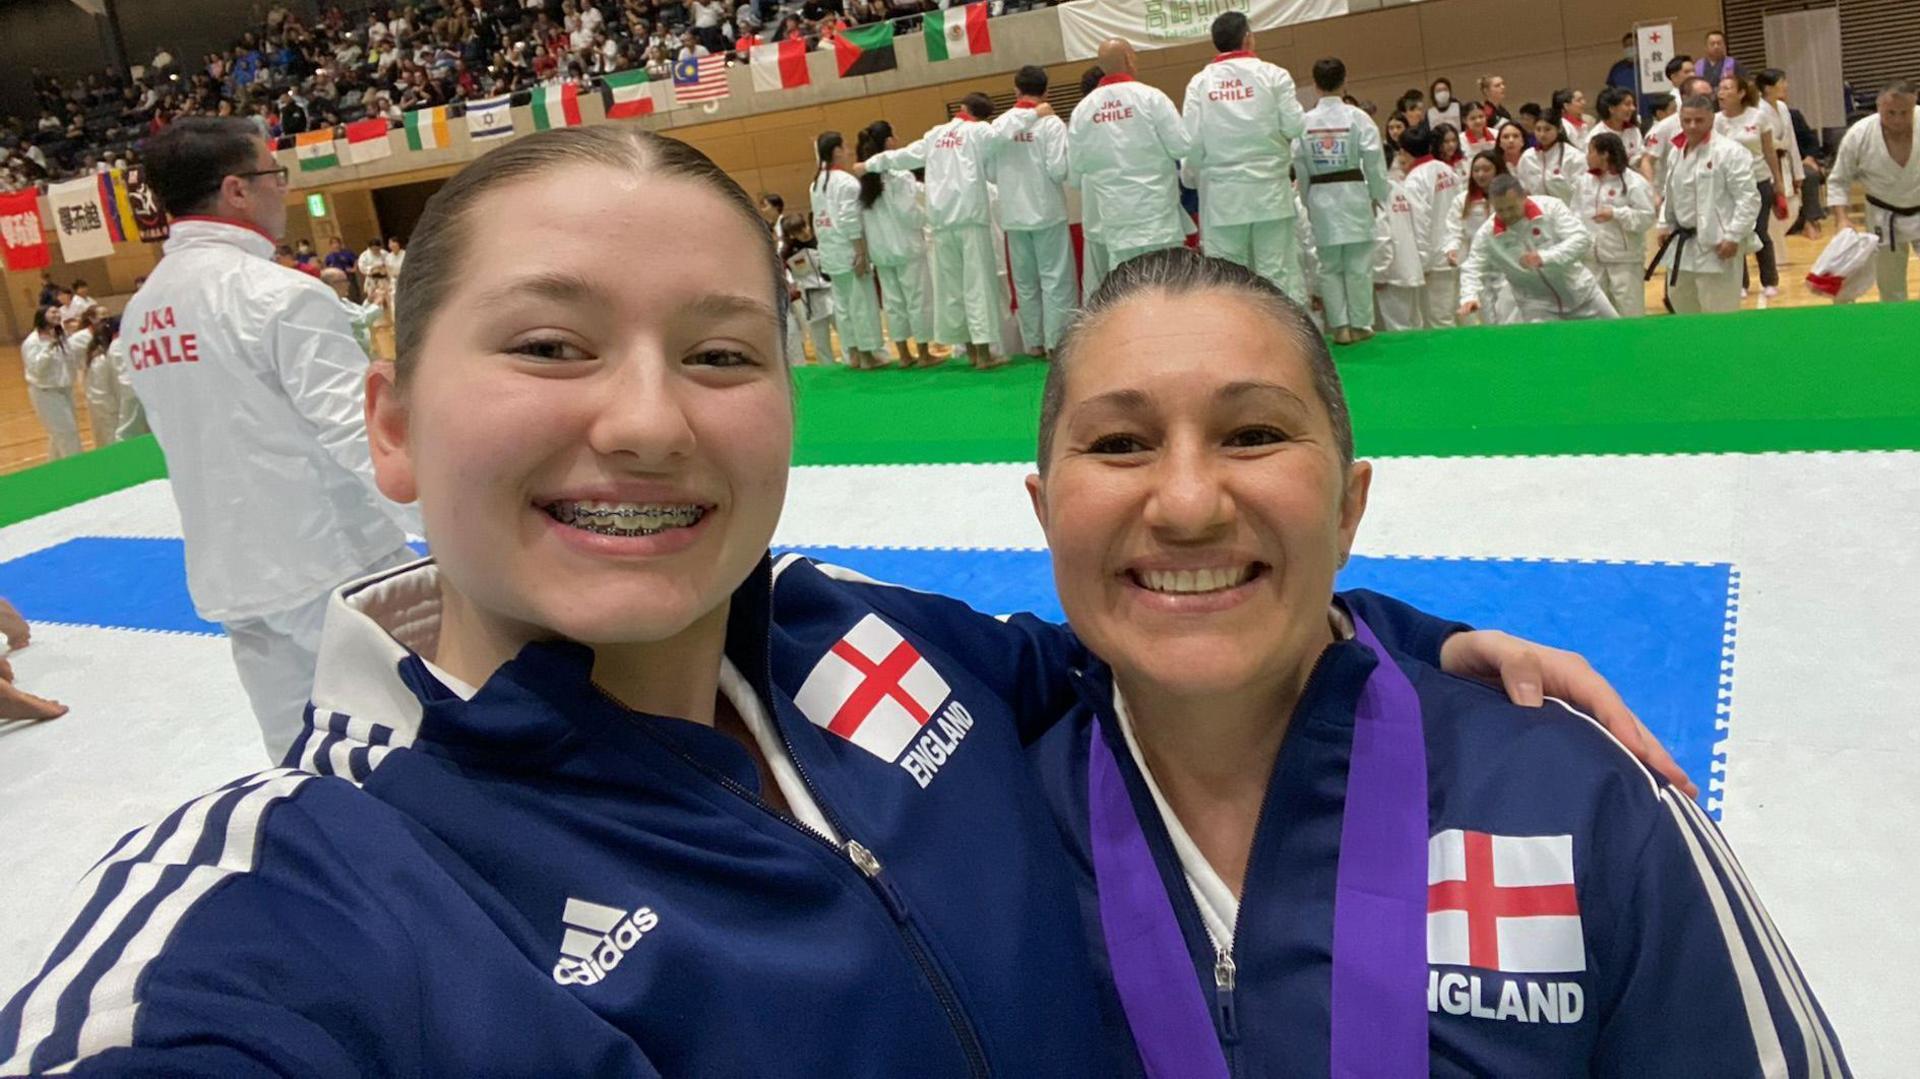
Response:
column 603, row 787
column 1304, row 851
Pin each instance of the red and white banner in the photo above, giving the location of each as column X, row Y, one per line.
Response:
column 24, row 243
column 1501, row 902
column 874, row 689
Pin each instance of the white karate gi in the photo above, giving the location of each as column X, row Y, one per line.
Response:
column 1864, row 159
column 1434, row 189
column 1619, row 243
column 1710, row 198
column 1124, row 144
column 1342, row 180
column 1241, row 116
column 1561, row 288
column 837, row 227
column 1033, row 212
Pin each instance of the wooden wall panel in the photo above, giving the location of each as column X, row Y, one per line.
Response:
column 1879, row 39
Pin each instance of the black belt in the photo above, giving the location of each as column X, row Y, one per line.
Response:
column 1677, row 239
column 1897, row 211
column 1344, row 176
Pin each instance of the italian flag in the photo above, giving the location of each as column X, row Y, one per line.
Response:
column 315, row 151
column 556, row 106
column 628, row 94
column 779, row 66
column 367, row 140
column 427, row 128
column 957, row 32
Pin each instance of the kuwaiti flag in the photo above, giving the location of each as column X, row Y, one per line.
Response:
column 315, row 150
column 957, row 32
column 490, row 119
column 556, row 106
column 1502, row 902
column 367, row 141
column 427, row 128
column 873, row 688
column 779, row 66
column 630, row 94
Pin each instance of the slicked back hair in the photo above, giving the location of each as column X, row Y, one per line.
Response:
column 437, row 255
column 1182, row 271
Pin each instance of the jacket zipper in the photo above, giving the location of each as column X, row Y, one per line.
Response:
column 1226, row 973
column 869, row 869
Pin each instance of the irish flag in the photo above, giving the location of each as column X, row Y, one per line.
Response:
column 427, row 128
column 630, row 94
column 957, row 32
column 556, row 106
column 367, row 141
column 315, row 150
column 779, row 66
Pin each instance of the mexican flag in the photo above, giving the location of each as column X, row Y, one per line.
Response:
column 315, row 150
column 628, row 94
column 367, row 141
column 556, row 106
column 865, row 50
column 427, row 128
column 957, row 32
column 779, row 66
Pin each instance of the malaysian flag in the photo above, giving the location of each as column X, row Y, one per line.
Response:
column 697, row 79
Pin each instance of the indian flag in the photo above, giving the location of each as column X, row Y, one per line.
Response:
column 556, row 106
column 427, row 128
column 630, row 94
column 315, row 150
column 957, row 32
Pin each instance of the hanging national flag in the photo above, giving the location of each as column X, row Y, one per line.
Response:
column 628, row 94
column 779, row 66
column 315, row 151
column 22, row 242
column 427, row 128
column 700, row 79
column 556, row 106
column 118, row 207
column 957, row 32
column 367, row 141
column 865, row 50
column 490, row 119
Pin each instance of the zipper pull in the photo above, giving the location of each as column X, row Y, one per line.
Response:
column 869, row 867
column 1223, row 979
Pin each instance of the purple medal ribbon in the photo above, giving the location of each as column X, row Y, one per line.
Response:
column 1379, row 1006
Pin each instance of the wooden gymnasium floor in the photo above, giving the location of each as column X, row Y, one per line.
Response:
column 24, row 444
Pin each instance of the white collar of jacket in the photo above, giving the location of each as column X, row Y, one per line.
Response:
column 371, row 626
column 195, row 231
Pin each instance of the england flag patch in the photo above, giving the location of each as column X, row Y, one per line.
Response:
column 874, row 689
column 1503, row 903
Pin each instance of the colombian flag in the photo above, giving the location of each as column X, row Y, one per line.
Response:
column 116, row 207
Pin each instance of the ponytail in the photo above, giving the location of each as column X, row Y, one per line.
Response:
column 823, row 148
column 872, row 140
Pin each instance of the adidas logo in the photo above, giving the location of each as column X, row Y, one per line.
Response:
column 597, row 938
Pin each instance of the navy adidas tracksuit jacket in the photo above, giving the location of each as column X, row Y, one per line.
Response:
column 1672, row 968
column 538, row 881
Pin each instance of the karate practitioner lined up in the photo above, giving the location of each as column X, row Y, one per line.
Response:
column 1711, row 203
column 967, row 298
column 1434, row 189
column 843, row 253
column 1615, row 204
column 893, row 205
column 1538, row 247
column 1125, row 143
column 1094, row 262
column 1397, row 269
column 1878, row 153
column 1550, row 166
column 53, row 359
column 1033, row 213
column 1242, row 115
column 1343, row 181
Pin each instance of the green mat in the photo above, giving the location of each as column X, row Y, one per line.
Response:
column 1817, row 378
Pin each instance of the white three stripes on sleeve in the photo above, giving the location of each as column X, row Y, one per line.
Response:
column 1714, row 859
column 112, row 1007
